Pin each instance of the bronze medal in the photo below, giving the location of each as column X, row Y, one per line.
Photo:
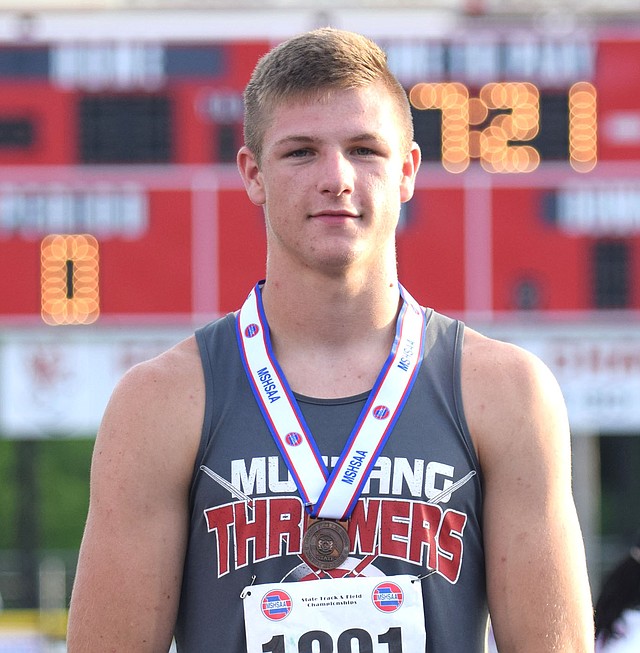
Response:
column 325, row 544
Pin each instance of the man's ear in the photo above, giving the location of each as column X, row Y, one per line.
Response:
column 251, row 175
column 409, row 172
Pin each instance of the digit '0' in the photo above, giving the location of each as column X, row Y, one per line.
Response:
column 69, row 279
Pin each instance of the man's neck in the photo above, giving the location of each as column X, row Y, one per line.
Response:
column 331, row 336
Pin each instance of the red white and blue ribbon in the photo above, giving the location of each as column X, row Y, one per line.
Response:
column 330, row 495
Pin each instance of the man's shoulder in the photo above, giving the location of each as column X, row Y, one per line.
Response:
column 165, row 383
column 498, row 357
column 174, row 364
column 510, row 398
column 154, row 415
column 503, row 384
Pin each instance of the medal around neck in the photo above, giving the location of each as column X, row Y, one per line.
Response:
column 325, row 544
column 332, row 494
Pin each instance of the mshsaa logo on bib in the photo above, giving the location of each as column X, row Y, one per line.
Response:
column 276, row 605
column 387, row 597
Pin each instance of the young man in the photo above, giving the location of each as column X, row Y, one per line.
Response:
column 332, row 429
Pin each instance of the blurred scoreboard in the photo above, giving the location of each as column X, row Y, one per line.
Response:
column 114, row 175
column 120, row 202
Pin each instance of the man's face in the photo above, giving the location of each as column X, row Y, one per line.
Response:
column 332, row 175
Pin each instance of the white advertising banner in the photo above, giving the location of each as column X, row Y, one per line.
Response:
column 55, row 385
column 60, row 387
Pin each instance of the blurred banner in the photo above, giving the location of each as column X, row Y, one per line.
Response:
column 50, row 388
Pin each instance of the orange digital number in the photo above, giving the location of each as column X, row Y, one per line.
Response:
column 521, row 124
column 452, row 99
column 494, row 145
column 583, row 127
column 69, row 279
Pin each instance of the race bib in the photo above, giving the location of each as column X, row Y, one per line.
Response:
column 345, row 615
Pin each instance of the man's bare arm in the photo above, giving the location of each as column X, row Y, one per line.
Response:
column 537, row 583
column 127, row 585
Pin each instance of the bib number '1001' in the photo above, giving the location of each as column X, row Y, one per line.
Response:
column 325, row 644
column 382, row 614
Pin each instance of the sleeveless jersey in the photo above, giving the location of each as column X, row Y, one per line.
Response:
column 394, row 528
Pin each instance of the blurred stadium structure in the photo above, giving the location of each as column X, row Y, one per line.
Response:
column 548, row 258
column 487, row 7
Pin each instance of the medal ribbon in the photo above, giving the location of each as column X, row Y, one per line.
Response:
column 330, row 496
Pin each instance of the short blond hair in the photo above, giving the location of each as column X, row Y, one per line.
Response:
column 311, row 64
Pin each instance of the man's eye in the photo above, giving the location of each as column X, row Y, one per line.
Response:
column 363, row 151
column 297, row 154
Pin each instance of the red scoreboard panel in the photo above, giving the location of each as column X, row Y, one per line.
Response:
column 547, row 241
column 120, row 202
column 170, row 245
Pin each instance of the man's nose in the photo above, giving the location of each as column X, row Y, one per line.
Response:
column 337, row 175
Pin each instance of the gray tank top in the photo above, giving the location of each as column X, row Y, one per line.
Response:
column 394, row 529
